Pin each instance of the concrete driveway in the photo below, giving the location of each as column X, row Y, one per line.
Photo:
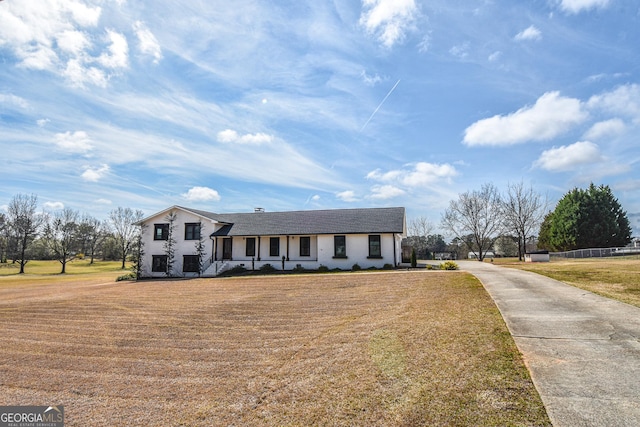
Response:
column 583, row 350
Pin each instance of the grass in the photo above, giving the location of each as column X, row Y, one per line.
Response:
column 617, row 278
column 388, row 348
column 47, row 274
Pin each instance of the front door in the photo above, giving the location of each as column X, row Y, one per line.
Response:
column 226, row 248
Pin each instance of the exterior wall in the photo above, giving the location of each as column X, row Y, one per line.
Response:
column 153, row 247
column 262, row 251
column 358, row 251
column 322, row 252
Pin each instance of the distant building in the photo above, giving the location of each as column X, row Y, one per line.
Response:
column 537, row 256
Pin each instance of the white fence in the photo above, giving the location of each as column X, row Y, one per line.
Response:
column 598, row 253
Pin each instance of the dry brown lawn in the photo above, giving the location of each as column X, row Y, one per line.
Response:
column 617, row 278
column 395, row 349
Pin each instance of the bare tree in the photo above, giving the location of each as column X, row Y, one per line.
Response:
column 4, row 237
column 476, row 218
column 123, row 222
column 61, row 235
column 524, row 211
column 91, row 232
column 420, row 227
column 24, row 223
column 417, row 231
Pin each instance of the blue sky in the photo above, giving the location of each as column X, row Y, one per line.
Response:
column 290, row 105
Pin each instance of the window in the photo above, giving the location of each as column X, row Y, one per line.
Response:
column 340, row 246
column 160, row 231
column 274, row 246
column 192, row 231
column 374, row 246
column 305, row 246
column 251, row 246
column 159, row 264
column 190, row 264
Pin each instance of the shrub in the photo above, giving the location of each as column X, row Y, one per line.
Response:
column 448, row 265
column 267, row 268
column 130, row 276
column 238, row 269
column 387, row 267
column 323, row 268
column 299, row 269
column 356, row 267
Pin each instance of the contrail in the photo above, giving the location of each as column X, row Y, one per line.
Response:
column 379, row 105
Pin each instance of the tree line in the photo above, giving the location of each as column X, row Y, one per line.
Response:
column 27, row 233
column 581, row 219
column 484, row 220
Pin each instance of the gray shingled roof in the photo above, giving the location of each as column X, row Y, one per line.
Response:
column 334, row 221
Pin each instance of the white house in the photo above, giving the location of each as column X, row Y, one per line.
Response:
column 337, row 238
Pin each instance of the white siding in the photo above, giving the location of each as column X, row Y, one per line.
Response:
column 183, row 247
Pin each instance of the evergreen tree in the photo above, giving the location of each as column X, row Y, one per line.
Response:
column 591, row 218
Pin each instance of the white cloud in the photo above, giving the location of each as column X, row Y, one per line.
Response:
column 460, row 51
column 384, row 192
column 42, row 122
column 315, row 197
column 147, row 42
column 54, row 36
column 231, row 136
column 73, row 41
column 76, row 142
column 117, row 55
column 201, row 194
column 610, row 127
column 495, row 56
column 424, row 44
column 576, row 6
column 347, row 196
column 552, row 115
column 389, row 20
column 78, row 74
column 37, row 57
column 103, row 201
column 54, row 206
column 370, row 80
column 531, row 33
column 569, row 157
column 420, row 174
column 31, row 28
column 624, row 100
column 95, row 174
column 14, row 100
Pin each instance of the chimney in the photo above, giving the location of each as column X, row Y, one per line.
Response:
column 256, row 210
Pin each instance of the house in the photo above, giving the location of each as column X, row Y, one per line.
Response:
column 211, row 243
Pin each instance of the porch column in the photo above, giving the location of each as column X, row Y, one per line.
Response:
column 258, row 248
column 287, row 248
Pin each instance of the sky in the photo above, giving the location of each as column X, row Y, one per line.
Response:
column 294, row 105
